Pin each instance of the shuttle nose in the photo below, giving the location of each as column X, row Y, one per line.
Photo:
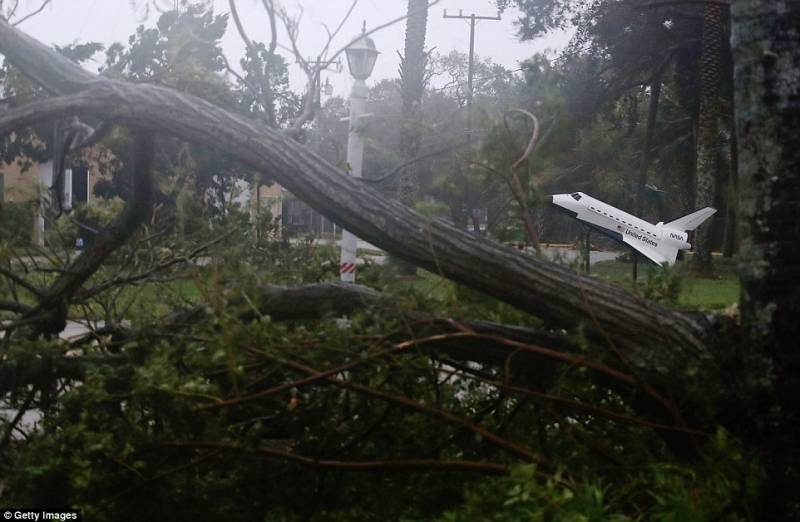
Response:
column 550, row 199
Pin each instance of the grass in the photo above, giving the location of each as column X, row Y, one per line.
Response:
column 695, row 292
column 437, row 294
column 691, row 291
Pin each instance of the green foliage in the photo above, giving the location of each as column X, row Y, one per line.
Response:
column 714, row 489
column 676, row 287
column 542, row 16
column 431, row 209
column 17, row 222
column 663, row 286
column 273, row 68
column 80, row 52
column 524, row 496
column 30, row 145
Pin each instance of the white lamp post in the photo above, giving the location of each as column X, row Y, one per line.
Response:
column 361, row 56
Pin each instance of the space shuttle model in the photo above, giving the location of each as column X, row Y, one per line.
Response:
column 659, row 243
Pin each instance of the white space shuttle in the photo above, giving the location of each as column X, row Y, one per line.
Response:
column 659, row 243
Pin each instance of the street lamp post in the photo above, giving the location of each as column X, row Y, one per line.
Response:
column 361, row 56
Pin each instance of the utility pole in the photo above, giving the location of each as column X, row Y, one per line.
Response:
column 317, row 67
column 473, row 19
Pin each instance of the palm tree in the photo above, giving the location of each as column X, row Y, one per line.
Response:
column 413, row 63
column 412, row 86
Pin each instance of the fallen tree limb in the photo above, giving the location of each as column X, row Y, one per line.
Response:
column 653, row 337
column 537, row 357
column 539, row 354
column 283, row 303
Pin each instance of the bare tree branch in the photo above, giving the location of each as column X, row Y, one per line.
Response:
column 313, row 71
column 534, row 135
column 514, row 183
column 31, row 14
column 388, row 176
column 269, row 7
column 13, row 10
column 332, row 35
column 379, row 28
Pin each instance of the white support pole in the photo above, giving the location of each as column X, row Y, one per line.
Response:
column 355, row 156
column 45, row 181
column 67, row 189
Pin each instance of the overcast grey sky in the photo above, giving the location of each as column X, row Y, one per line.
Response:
column 107, row 21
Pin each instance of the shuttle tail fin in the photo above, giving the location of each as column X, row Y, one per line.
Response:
column 691, row 221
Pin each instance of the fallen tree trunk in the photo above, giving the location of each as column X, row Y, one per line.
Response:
column 651, row 336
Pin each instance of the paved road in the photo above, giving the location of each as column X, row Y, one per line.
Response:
column 553, row 252
column 570, row 254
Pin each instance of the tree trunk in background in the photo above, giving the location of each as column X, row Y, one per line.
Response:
column 412, row 87
column 767, row 57
column 652, row 114
column 711, row 64
column 730, row 192
column 730, row 243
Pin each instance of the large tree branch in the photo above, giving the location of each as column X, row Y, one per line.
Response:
column 657, row 338
column 14, row 306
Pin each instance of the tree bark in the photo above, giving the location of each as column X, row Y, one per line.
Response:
column 767, row 74
column 644, row 164
column 412, row 88
column 713, row 40
column 662, row 340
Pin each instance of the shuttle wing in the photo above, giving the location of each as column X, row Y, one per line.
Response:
column 662, row 254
